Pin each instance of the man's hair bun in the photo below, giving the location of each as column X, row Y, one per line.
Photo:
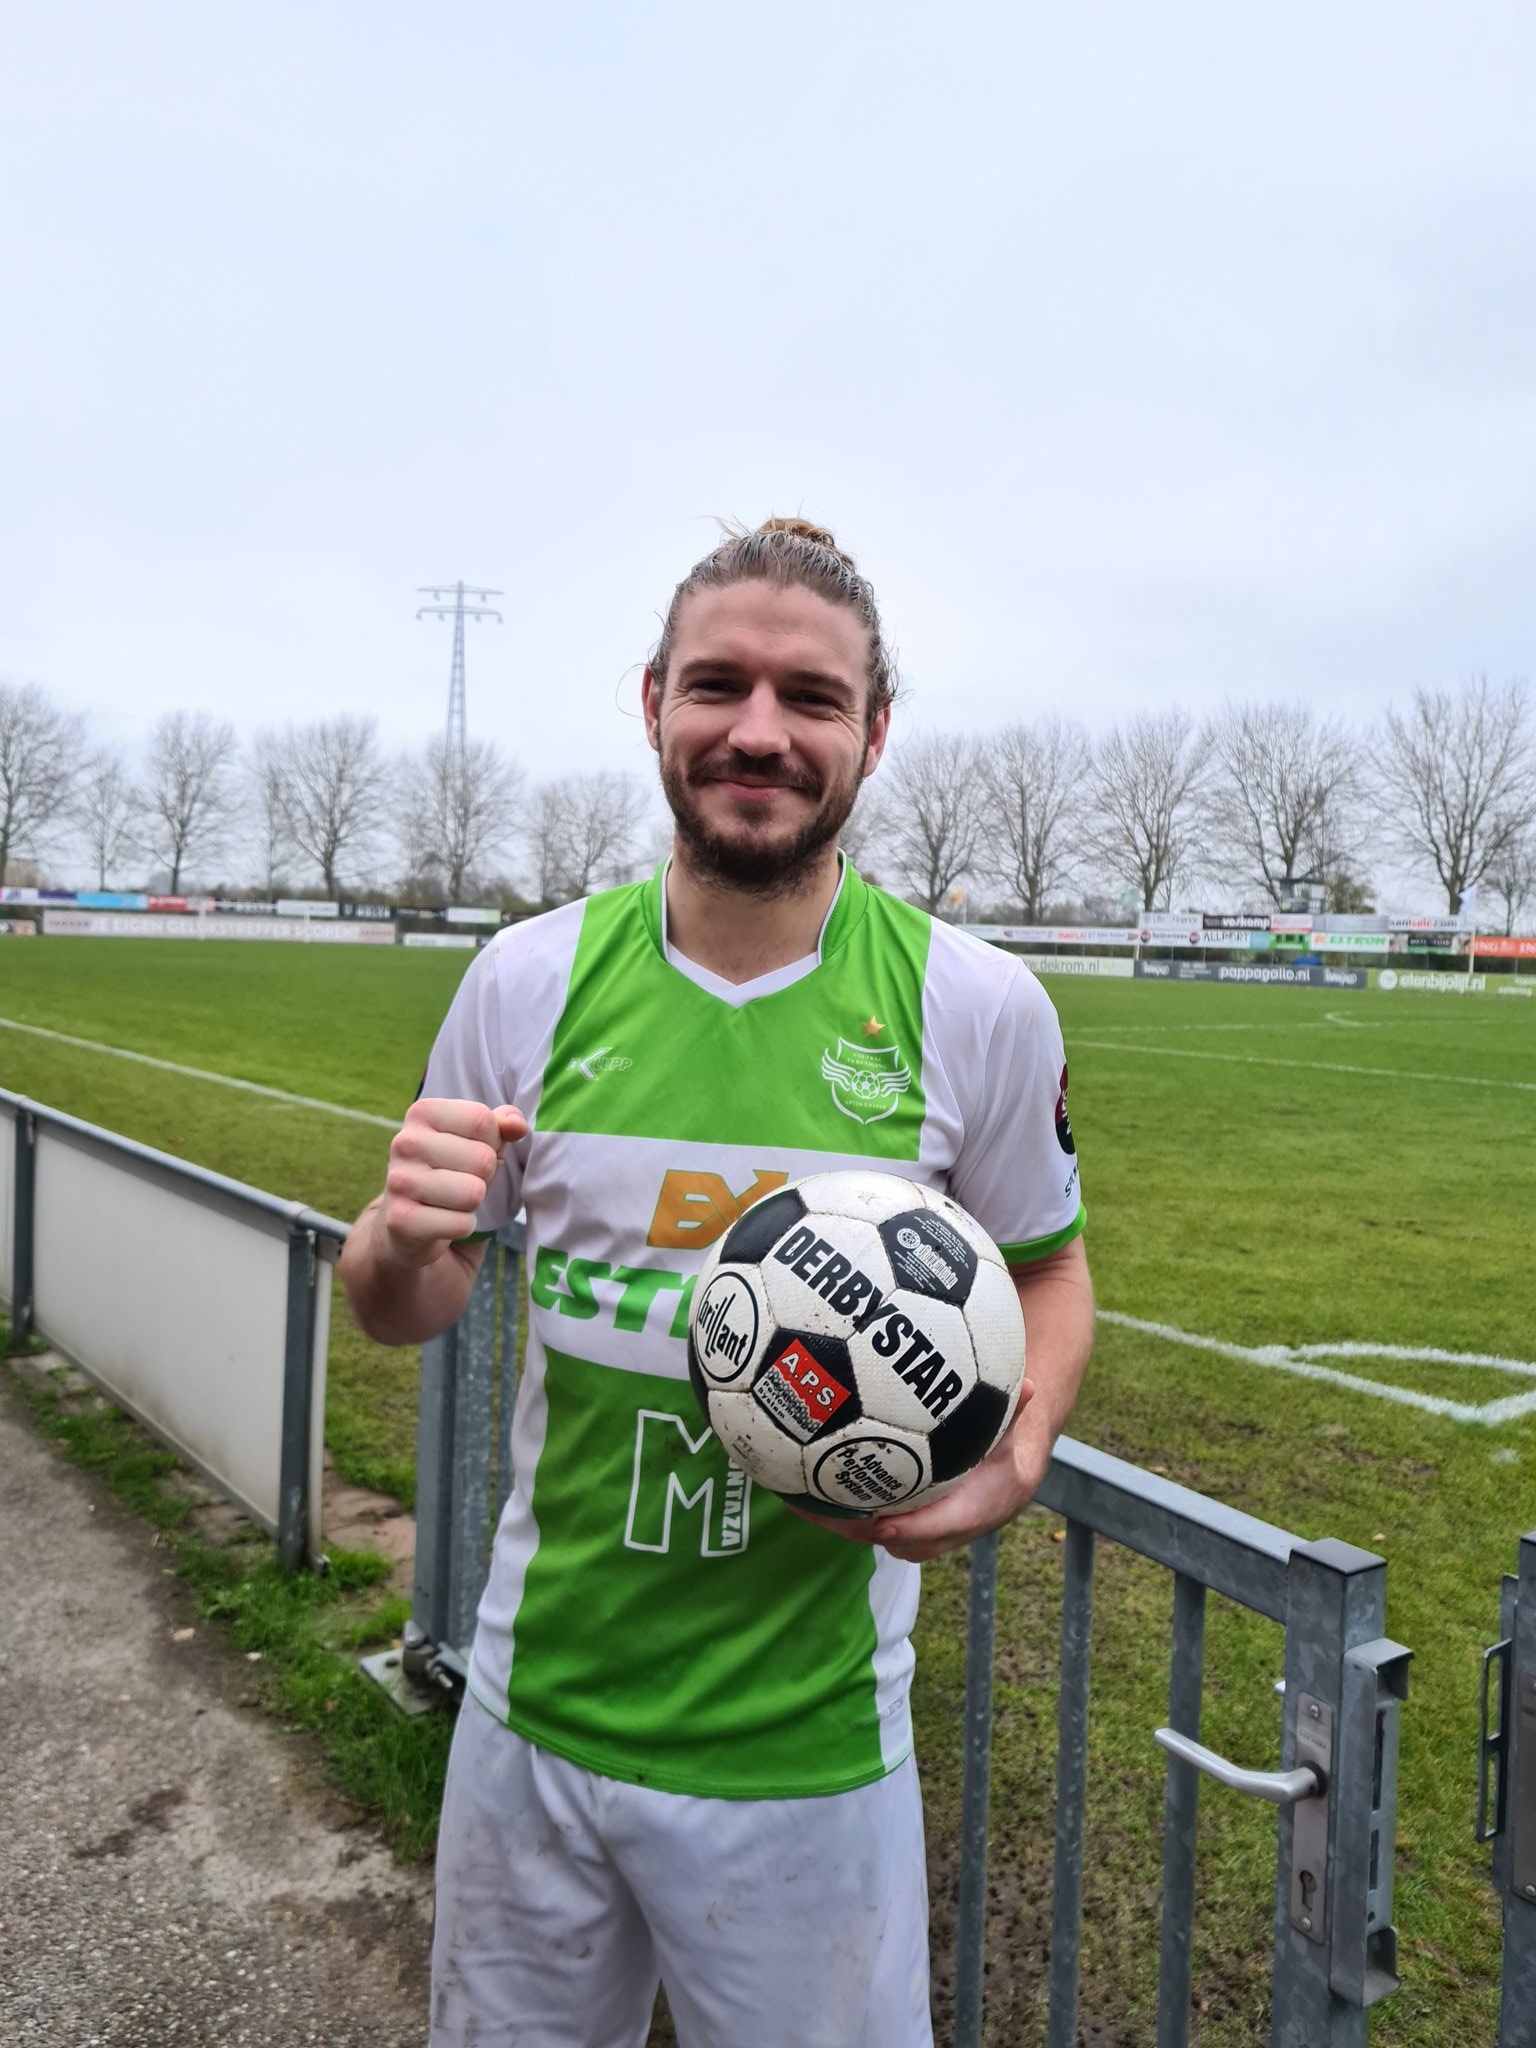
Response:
column 804, row 530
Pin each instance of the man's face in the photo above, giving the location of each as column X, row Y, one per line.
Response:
column 763, row 731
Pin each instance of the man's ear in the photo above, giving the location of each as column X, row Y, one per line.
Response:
column 874, row 746
column 650, row 706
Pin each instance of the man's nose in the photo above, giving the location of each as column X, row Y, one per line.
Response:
column 758, row 727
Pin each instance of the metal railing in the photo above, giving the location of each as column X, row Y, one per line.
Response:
column 1506, row 1813
column 1335, row 1946
column 289, row 1509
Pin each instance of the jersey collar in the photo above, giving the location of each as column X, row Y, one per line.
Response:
column 843, row 914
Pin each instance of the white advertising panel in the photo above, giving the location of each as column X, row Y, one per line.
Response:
column 177, row 1307
column 1076, row 963
column 459, row 915
column 458, row 939
column 107, row 924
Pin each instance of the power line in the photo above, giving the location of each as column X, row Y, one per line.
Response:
column 458, row 611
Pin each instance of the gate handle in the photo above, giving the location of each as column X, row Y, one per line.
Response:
column 1280, row 1788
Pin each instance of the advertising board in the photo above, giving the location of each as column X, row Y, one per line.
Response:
column 1070, row 963
column 106, row 924
column 1428, row 983
column 1267, row 975
column 1351, row 942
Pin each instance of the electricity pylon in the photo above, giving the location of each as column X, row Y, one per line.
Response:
column 458, row 611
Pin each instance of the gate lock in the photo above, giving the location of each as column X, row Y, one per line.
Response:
column 1304, row 1786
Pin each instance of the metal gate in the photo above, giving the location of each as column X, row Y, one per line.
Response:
column 1336, row 1785
column 1506, row 1813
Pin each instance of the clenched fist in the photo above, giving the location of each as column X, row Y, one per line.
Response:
column 441, row 1161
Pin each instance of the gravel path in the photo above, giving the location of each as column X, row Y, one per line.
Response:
column 172, row 1872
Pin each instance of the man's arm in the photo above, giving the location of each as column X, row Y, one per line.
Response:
column 406, row 1268
column 1056, row 1295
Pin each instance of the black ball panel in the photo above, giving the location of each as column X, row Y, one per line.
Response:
column 814, row 1505
column 752, row 1237
column 697, row 1380
column 962, row 1438
column 806, row 1384
column 929, row 1256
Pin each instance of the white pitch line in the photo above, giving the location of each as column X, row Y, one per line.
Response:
column 1297, row 1359
column 1253, row 1059
column 144, row 1059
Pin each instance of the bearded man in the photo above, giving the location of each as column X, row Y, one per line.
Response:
column 685, row 1754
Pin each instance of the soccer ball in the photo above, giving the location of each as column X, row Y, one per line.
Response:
column 856, row 1343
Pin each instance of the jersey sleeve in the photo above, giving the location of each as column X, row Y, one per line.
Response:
column 468, row 1064
column 1016, row 1170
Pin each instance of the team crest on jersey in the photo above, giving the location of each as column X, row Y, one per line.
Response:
column 867, row 1081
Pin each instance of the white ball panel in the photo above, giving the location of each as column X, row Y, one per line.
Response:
column 756, row 1442
column 731, row 1323
column 861, row 1193
column 888, row 1398
column 876, row 1470
column 797, row 1304
column 997, row 1328
column 966, row 1224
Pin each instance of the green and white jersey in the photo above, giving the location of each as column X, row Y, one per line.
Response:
column 650, row 1614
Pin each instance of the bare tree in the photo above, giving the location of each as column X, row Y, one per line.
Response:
column 583, row 833
column 1459, row 772
column 40, row 748
column 1146, row 782
column 184, row 802
column 1035, row 784
column 335, row 784
column 105, row 810
column 862, row 830
column 266, row 775
column 931, row 815
column 460, row 810
column 1285, row 800
column 1511, row 875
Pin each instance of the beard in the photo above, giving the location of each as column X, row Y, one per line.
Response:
column 762, row 863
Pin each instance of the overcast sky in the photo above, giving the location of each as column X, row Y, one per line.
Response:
column 1138, row 353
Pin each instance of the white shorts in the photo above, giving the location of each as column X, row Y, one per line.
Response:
column 563, row 1898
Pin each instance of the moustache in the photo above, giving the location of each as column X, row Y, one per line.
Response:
column 742, row 768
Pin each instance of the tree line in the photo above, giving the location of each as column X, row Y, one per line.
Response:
column 1034, row 821
column 1260, row 802
column 316, row 806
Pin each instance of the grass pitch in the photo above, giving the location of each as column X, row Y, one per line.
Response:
column 1266, row 1167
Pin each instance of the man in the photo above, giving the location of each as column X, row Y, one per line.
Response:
column 686, row 1749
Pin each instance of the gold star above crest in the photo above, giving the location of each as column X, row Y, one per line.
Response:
column 873, row 1027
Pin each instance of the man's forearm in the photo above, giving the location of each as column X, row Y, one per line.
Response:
column 1057, row 1299
column 397, row 1303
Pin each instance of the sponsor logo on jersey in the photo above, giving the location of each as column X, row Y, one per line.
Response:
column 867, row 1080
column 799, row 1392
column 685, row 1493
column 604, row 1061
column 694, row 1208
column 1064, row 1136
